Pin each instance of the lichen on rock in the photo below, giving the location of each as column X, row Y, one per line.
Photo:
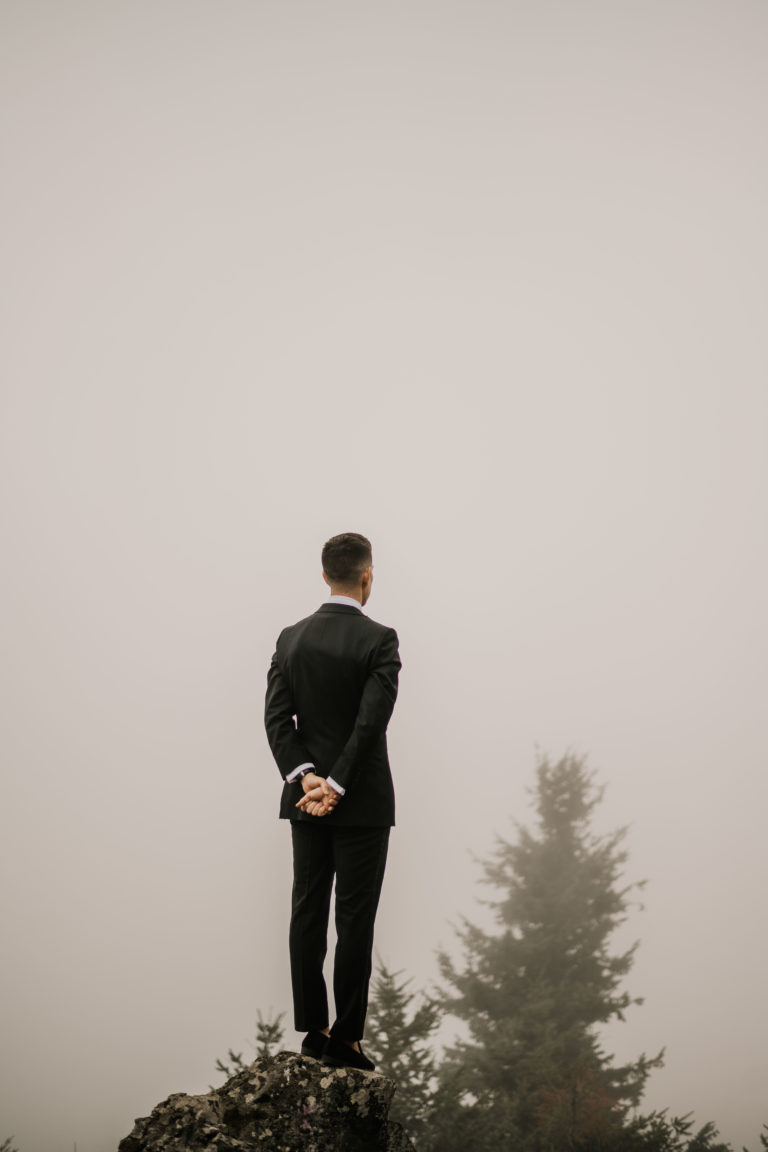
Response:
column 284, row 1103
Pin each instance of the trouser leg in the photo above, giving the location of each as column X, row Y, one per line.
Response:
column 308, row 937
column 360, row 855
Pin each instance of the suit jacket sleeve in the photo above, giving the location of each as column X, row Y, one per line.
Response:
column 376, row 705
column 279, row 712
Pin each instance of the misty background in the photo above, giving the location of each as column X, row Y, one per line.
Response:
column 485, row 281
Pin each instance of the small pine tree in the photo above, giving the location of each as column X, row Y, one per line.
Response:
column 236, row 1064
column 269, row 1035
column 402, row 1025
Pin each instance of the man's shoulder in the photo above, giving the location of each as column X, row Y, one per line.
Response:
column 360, row 620
column 344, row 616
column 380, row 638
column 295, row 628
column 381, row 628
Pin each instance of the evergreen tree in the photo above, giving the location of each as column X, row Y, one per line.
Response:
column 657, row 1133
column 269, row 1035
column 531, row 1073
column 401, row 1026
column 236, row 1064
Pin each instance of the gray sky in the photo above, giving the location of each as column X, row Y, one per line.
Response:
column 483, row 280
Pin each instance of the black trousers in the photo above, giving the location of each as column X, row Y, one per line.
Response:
column 356, row 857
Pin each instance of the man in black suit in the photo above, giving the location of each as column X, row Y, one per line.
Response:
column 331, row 689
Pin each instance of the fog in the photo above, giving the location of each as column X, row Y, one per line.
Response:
column 485, row 281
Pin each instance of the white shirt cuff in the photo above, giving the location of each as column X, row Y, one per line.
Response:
column 295, row 772
column 337, row 787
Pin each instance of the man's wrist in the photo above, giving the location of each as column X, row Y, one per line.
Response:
column 299, row 771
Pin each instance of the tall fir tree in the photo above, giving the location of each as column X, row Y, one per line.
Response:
column 531, row 1073
column 401, row 1026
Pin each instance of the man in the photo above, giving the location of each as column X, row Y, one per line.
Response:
column 331, row 689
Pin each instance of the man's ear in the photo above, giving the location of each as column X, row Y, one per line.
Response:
column 326, row 579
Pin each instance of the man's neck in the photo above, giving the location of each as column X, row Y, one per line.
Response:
column 343, row 595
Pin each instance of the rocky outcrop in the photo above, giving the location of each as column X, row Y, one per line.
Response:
column 284, row 1103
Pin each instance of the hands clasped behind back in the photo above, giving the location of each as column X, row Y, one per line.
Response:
column 319, row 797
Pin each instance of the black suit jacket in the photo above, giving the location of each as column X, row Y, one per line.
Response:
column 331, row 688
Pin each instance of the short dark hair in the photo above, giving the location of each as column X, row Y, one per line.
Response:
column 345, row 557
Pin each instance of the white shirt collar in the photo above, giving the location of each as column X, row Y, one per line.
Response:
column 350, row 600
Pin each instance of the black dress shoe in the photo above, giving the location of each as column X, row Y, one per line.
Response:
column 340, row 1055
column 314, row 1044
